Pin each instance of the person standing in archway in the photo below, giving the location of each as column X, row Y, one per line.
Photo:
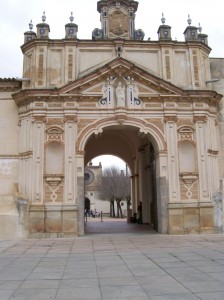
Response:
column 140, row 213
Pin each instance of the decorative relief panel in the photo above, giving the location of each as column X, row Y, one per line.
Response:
column 189, row 188
column 186, row 134
column 54, row 134
column 53, row 189
column 118, row 24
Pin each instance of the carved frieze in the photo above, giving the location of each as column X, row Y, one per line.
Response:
column 41, row 119
column 54, row 121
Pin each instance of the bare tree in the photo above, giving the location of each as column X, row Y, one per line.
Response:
column 115, row 188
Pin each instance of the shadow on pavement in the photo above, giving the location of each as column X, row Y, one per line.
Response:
column 116, row 226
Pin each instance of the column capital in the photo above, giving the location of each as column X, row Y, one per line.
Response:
column 199, row 119
column 170, row 119
column 70, row 118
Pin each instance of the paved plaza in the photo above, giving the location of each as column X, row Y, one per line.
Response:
column 134, row 264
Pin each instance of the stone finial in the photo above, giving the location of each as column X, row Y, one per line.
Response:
column 44, row 17
column 31, row 25
column 163, row 20
column 43, row 28
column 71, row 28
column 71, row 17
column 199, row 27
column 189, row 20
column 29, row 35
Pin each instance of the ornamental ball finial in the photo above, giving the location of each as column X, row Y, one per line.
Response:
column 71, row 18
column 163, row 20
column 31, row 25
column 189, row 20
column 44, row 17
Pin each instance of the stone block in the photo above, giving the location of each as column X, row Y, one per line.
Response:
column 37, row 225
column 53, row 224
column 191, row 220
column 53, row 214
column 175, row 221
column 69, row 225
column 206, row 218
column 70, row 214
column 36, row 214
column 191, row 224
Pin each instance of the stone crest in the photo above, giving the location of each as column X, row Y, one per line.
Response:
column 118, row 23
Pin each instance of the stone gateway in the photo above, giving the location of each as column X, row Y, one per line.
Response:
column 155, row 104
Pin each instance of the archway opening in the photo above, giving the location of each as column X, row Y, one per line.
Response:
column 87, row 204
column 137, row 151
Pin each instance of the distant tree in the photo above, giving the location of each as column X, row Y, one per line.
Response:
column 115, row 188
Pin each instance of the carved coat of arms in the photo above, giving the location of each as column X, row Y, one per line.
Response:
column 118, row 23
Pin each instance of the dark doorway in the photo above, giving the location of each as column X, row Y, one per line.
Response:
column 87, row 204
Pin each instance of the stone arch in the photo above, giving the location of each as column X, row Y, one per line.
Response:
column 139, row 136
column 158, row 139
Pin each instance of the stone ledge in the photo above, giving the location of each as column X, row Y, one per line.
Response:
column 178, row 205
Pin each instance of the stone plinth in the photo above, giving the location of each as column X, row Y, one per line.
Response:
column 188, row 218
column 53, row 221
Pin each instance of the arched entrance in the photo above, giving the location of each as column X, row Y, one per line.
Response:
column 87, row 204
column 144, row 153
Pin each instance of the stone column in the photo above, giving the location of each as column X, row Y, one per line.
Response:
column 162, row 191
column 173, row 163
column 70, row 172
column 38, row 160
column 213, row 167
column 201, row 139
column 80, row 192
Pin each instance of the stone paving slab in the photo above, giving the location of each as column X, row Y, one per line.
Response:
column 103, row 266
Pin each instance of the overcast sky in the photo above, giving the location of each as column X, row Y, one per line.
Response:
column 15, row 16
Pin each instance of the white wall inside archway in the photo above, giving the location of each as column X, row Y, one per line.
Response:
column 109, row 160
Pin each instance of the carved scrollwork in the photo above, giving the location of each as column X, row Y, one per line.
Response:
column 103, row 101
